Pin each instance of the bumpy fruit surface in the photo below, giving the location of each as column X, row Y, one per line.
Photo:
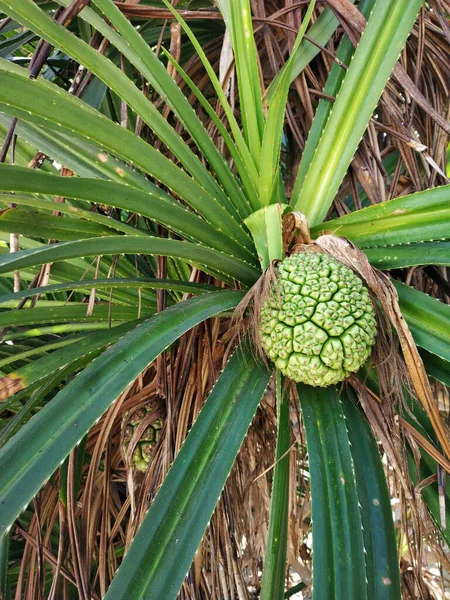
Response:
column 144, row 449
column 319, row 325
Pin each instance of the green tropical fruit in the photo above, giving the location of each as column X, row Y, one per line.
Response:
column 318, row 323
column 143, row 451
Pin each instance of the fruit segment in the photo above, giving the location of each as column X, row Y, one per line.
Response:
column 319, row 325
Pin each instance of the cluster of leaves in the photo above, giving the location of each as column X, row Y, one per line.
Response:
column 132, row 227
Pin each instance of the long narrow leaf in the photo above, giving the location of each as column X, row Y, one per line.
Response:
column 332, row 86
column 36, row 20
column 47, row 312
column 428, row 319
column 274, row 573
column 23, row 151
column 41, row 225
column 40, row 350
column 397, row 256
column 419, row 217
column 273, row 130
column 382, row 565
column 127, row 244
column 186, row 287
column 42, row 102
column 244, row 166
column 34, row 453
column 265, row 226
column 338, row 544
column 158, row 206
column 170, row 534
column 320, row 32
column 232, row 122
column 137, row 50
column 374, row 59
column 245, row 56
column 108, row 225
column 5, row 591
column 436, row 367
column 88, row 347
column 83, row 158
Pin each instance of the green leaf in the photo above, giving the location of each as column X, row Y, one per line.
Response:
column 42, row 102
column 273, row 130
column 88, row 346
column 170, row 534
column 50, row 312
column 334, row 82
column 430, row 493
column 38, row 396
column 295, row 589
column 33, row 454
column 125, row 266
column 186, row 287
column 397, row 256
column 41, row 225
column 9, row 45
column 127, row 244
column 23, row 151
column 57, row 330
column 274, row 572
column 384, row 36
column 424, row 216
column 417, row 418
column 106, row 224
column 80, row 458
column 158, row 206
column 428, row 319
column 5, row 592
column 40, row 350
column 140, row 54
column 266, row 228
column 338, row 544
column 38, row 21
column 242, row 160
column 382, row 565
column 83, row 158
column 436, row 367
column 241, row 145
column 250, row 92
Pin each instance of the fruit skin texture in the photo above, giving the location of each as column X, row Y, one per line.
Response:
column 144, row 448
column 319, row 325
